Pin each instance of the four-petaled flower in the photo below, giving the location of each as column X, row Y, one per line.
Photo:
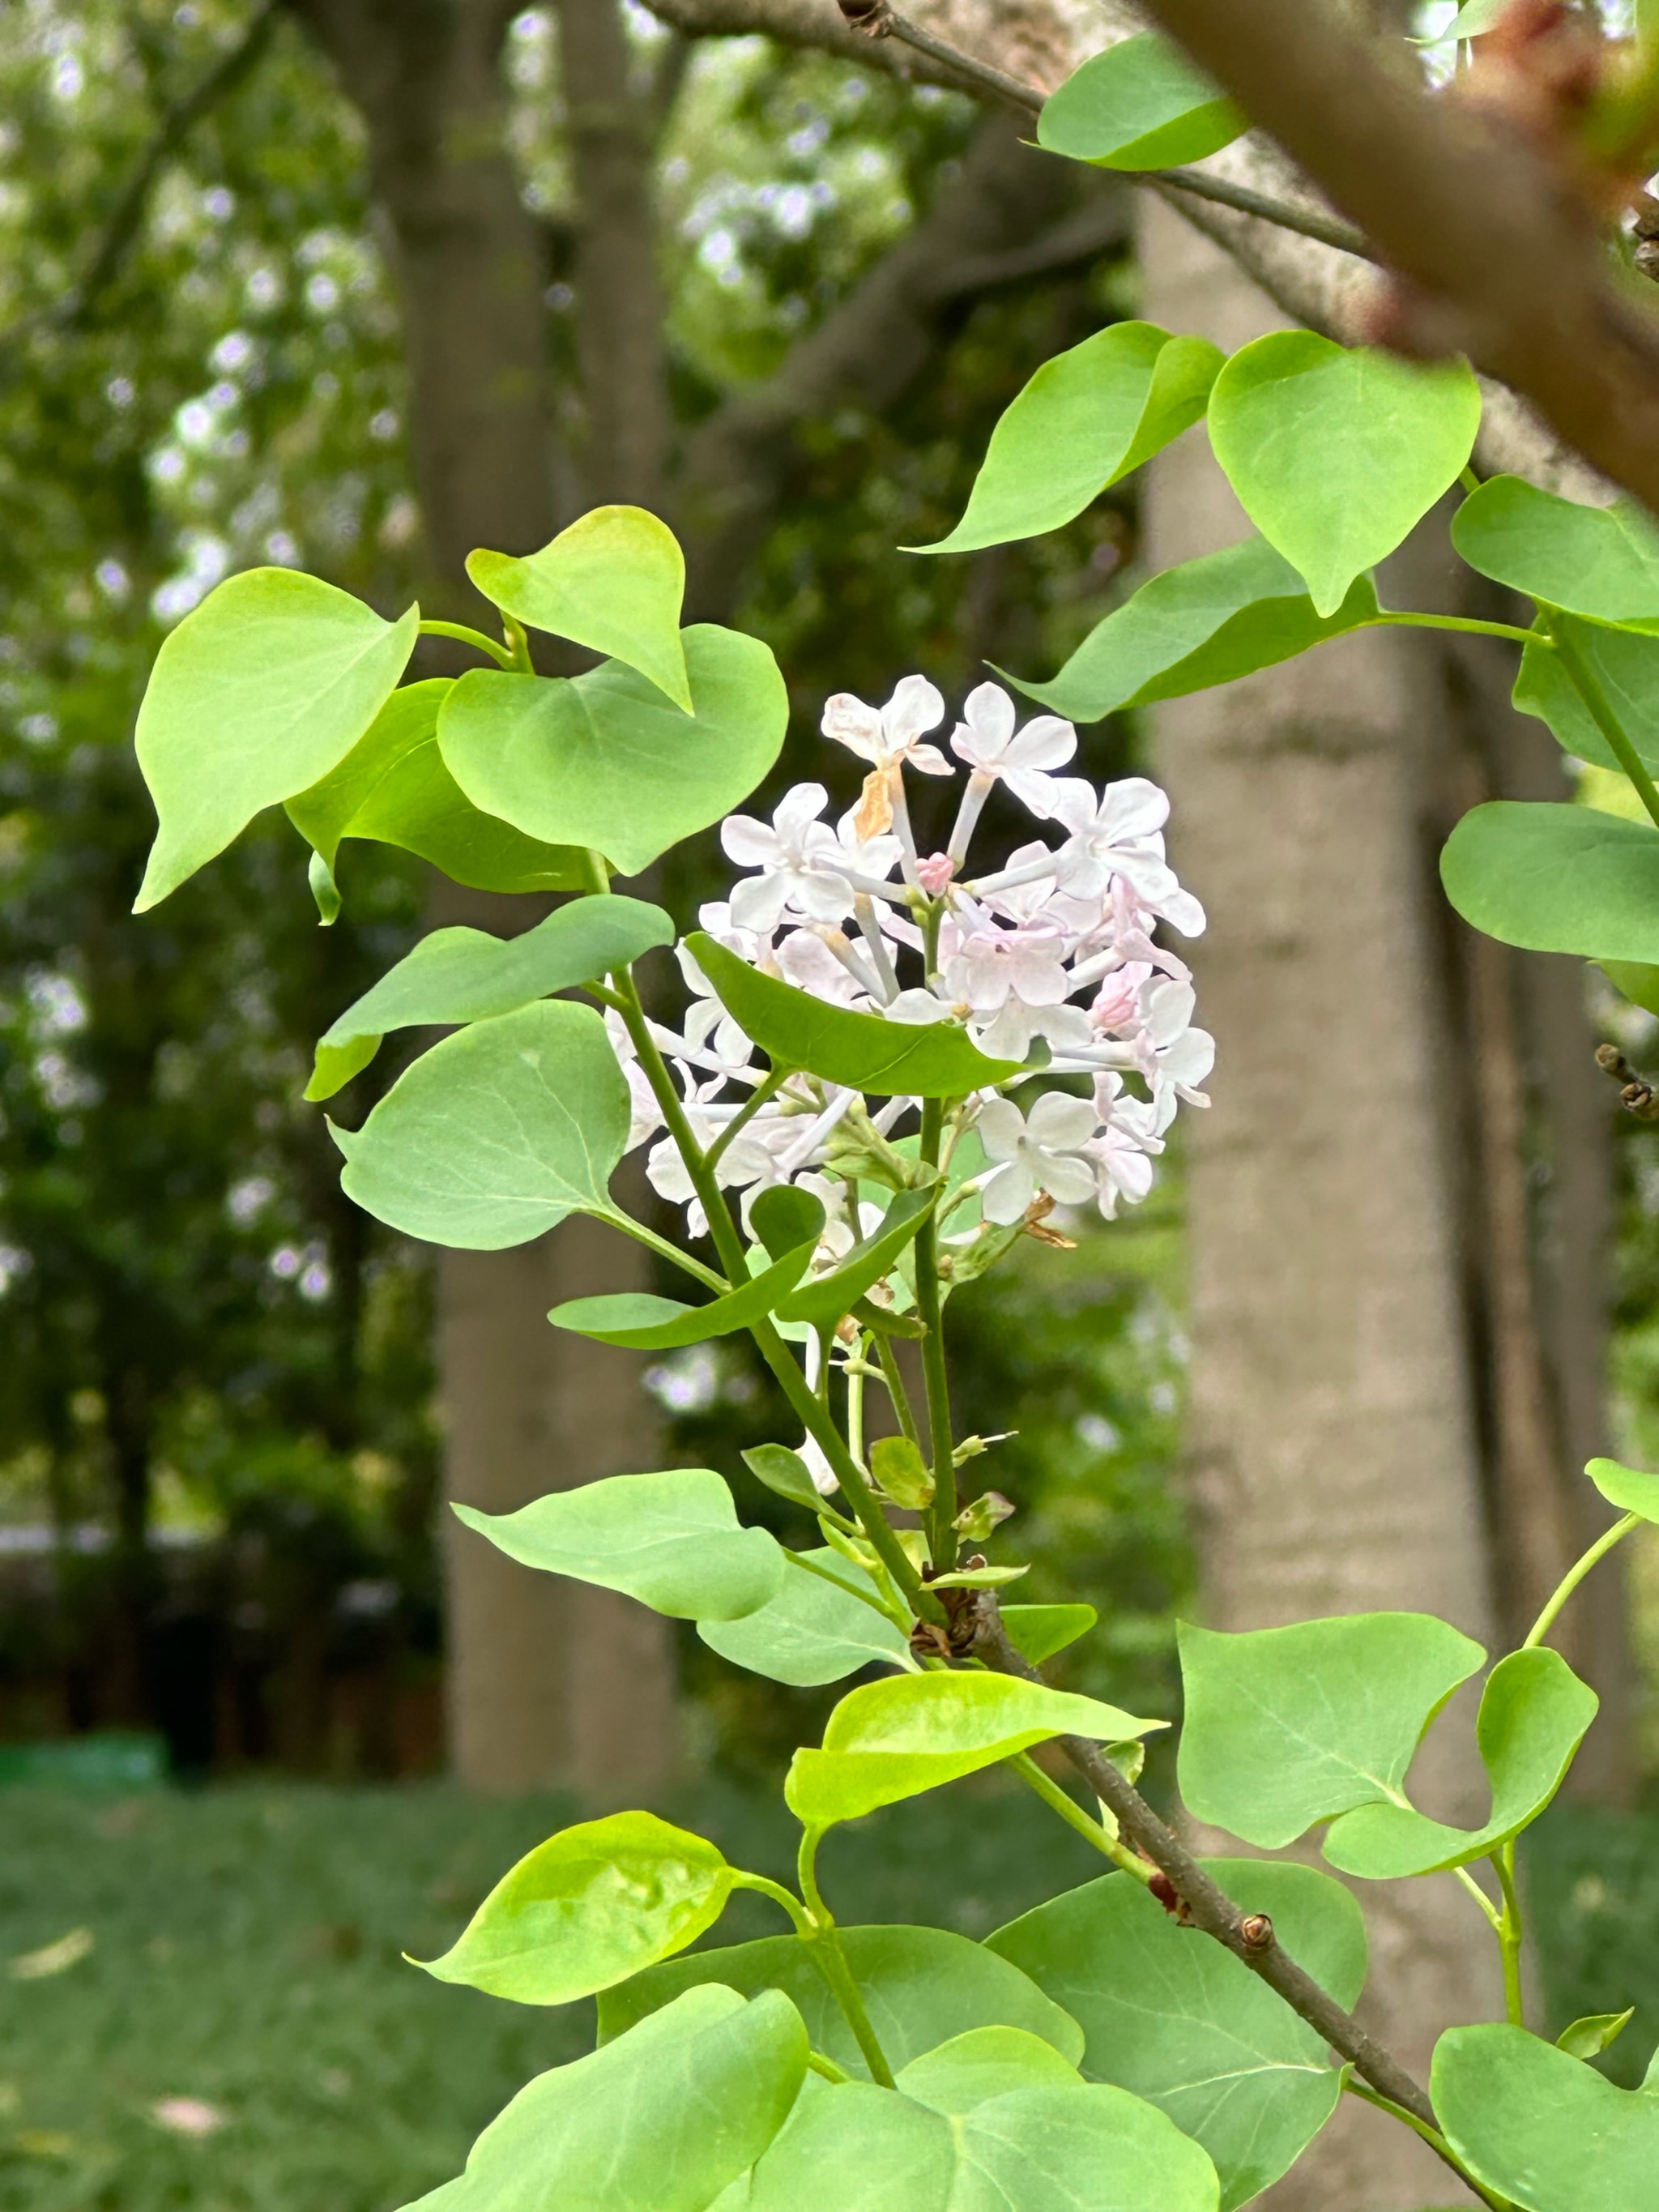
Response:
column 1039, row 1151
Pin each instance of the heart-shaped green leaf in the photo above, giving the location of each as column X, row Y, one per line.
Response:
column 1051, row 2148
column 392, row 787
column 613, row 582
column 1533, row 1715
column 1285, row 1726
column 1140, row 105
column 1223, row 616
column 1557, row 878
column 497, row 1132
column 589, row 1907
column 663, row 2120
column 814, row 1629
column 1040, row 1630
column 467, row 976
column 1188, row 2026
column 1544, row 2130
column 1602, row 562
column 1631, row 1489
column 1335, row 451
column 654, row 1324
column 671, row 1541
column 825, row 1298
column 784, row 1472
column 1088, row 417
column 866, row 1052
column 258, row 691
column 604, row 761
column 892, row 1739
column 920, row 1986
column 1626, row 664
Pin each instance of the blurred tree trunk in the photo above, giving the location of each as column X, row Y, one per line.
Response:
column 1332, row 1424
column 548, row 1682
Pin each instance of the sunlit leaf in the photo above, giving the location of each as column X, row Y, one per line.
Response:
column 1220, row 616
column 1336, row 451
column 1631, row 1489
column 612, row 581
column 589, row 1907
column 1139, row 105
column 605, row 760
column 258, row 691
column 892, row 1739
column 671, row 1541
column 392, row 788
column 1602, row 562
column 1088, row 417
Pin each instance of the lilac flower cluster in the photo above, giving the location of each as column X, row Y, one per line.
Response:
column 1055, row 948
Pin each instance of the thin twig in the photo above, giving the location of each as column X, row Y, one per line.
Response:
column 1636, row 1094
column 127, row 216
column 1248, row 1937
column 876, row 19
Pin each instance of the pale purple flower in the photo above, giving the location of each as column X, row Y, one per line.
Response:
column 1025, row 761
column 796, row 855
column 1115, row 832
column 1041, row 1151
column 890, row 737
column 1123, row 1151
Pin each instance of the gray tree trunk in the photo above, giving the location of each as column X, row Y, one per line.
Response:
column 549, row 1683
column 1334, row 1459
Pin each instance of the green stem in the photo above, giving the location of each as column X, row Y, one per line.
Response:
column 942, row 1543
column 764, row 1092
column 498, row 653
column 864, row 1597
column 814, row 1417
column 1494, row 1917
column 1464, row 622
column 1466, row 474
column 884, row 1356
column 1575, row 1574
column 1072, row 1813
column 831, row 1962
column 1432, row 2137
column 826, row 2067
column 792, row 1905
column 1589, row 690
column 1510, row 1935
column 513, row 630
column 664, row 1250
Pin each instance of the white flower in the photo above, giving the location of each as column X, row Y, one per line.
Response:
column 797, row 859
column 1170, row 1051
column 990, row 964
column 986, row 739
column 889, row 735
column 824, row 1478
column 1041, row 1150
column 1115, row 833
column 1008, row 1033
column 645, row 1116
column 805, row 961
column 1122, row 1153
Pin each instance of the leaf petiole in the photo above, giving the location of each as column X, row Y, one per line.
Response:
column 465, row 636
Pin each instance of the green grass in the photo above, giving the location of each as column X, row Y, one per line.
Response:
column 247, row 1949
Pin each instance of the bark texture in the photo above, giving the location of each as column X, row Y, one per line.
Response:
column 549, row 1683
column 1332, row 1432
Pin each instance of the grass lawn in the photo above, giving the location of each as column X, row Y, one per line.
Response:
column 246, row 1955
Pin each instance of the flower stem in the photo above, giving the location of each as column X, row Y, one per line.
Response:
column 768, row 1088
column 1073, row 1814
column 1575, row 1574
column 1589, row 690
column 468, row 637
column 941, row 1536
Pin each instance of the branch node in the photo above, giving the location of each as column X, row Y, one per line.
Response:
column 1636, row 1093
column 872, row 18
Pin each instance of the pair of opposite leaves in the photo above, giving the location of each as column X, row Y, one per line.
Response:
column 279, row 688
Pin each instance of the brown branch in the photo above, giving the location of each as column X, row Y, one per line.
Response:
column 1503, row 260
column 875, row 18
column 126, row 218
column 1636, row 1092
column 1248, row 1937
